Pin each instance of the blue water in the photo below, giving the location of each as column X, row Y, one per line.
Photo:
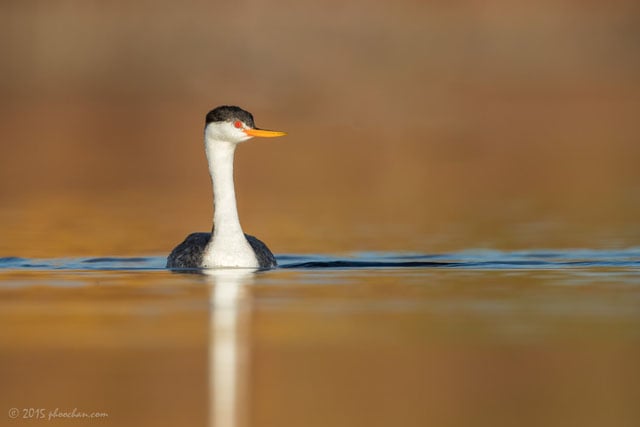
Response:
column 481, row 259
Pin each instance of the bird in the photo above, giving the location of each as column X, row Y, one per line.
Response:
column 226, row 246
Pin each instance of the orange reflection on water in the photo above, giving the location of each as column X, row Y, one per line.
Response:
column 290, row 348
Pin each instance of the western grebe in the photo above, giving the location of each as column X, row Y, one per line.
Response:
column 227, row 245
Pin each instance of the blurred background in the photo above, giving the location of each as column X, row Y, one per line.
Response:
column 413, row 125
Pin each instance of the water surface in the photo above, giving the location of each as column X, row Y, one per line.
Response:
column 478, row 337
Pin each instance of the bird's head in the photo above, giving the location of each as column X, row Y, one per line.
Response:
column 233, row 124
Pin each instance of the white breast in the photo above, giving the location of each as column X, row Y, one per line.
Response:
column 229, row 252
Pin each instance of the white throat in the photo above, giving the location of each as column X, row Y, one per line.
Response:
column 228, row 246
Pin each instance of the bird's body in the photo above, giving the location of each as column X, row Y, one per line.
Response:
column 190, row 253
column 227, row 245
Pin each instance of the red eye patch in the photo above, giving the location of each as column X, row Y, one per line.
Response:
column 238, row 124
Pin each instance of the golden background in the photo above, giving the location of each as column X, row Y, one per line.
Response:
column 413, row 125
column 420, row 126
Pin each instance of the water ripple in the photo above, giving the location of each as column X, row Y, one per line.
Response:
column 481, row 259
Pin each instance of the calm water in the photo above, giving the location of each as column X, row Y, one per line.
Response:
column 478, row 337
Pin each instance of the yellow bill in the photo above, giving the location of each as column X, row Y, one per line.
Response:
column 264, row 133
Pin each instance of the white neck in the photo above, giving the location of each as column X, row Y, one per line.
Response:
column 228, row 246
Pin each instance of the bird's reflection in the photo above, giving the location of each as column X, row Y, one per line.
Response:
column 229, row 330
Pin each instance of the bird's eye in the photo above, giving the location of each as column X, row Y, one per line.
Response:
column 238, row 124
